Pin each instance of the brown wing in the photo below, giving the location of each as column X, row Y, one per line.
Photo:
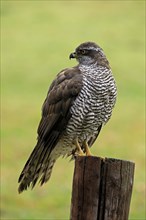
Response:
column 55, row 116
column 56, row 108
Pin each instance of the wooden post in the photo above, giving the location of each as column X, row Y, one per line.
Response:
column 101, row 189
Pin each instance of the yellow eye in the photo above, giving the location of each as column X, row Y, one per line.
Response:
column 83, row 51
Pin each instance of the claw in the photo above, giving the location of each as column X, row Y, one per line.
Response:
column 80, row 153
column 79, row 150
column 103, row 159
column 87, row 149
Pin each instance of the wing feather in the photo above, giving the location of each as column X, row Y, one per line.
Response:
column 55, row 116
column 55, row 110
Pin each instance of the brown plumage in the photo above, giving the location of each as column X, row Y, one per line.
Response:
column 79, row 102
column 55, row 115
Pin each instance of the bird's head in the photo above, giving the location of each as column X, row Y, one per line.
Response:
column 89, row 53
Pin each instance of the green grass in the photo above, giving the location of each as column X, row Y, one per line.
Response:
column 37, row 38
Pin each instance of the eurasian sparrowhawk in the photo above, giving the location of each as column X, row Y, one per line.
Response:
column 79, row 102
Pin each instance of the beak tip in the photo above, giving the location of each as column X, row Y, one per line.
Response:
column 72, row 55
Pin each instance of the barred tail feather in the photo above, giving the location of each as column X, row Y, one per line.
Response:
column 38, row 166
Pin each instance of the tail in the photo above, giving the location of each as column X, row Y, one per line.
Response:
column 38, row 166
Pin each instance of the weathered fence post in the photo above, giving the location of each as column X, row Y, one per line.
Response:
column 101, row 189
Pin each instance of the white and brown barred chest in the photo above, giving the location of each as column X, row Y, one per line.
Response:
column 94, row 104
column 92, row 107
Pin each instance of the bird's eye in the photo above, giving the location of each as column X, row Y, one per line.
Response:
column 83, row 52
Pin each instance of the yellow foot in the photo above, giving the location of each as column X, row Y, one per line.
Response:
column 80, row 153
column 103, row 158
column 87, row 149
column 89, row 153
column 79, row 150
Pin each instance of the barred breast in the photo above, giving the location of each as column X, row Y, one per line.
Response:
column 93, row 107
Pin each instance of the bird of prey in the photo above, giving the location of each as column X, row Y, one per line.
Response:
column 79, row 102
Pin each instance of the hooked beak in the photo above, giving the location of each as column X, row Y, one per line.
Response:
column 73, row 55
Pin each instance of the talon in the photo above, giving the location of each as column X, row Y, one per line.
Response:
column 103, row 158
column 79, row 150
column 87, row 149
column 80, row 153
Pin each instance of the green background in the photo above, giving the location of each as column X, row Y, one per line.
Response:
column 36, row 40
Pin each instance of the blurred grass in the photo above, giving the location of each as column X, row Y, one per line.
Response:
column 36, row 40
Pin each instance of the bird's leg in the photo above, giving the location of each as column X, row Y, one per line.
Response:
column 87, row 149
column 80, row 152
